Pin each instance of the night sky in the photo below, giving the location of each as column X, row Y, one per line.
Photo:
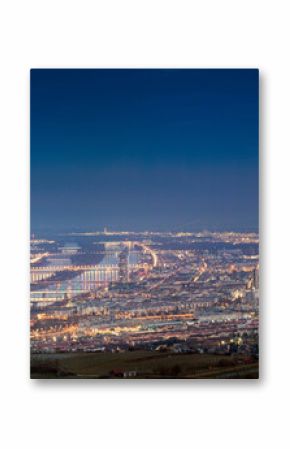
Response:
column 144, row 149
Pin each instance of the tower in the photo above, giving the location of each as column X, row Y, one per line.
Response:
column 124, row 266
column 256, row 277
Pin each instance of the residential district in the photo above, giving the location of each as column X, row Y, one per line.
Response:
column 174, row 292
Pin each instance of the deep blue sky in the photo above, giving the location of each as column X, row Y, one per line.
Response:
column 144, row 149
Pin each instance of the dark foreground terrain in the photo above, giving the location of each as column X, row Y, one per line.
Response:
column 143, row 365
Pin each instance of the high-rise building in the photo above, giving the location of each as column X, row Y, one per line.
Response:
column 256, row 278
column 124, row 266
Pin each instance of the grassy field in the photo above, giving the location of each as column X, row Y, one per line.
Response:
column 142, row 365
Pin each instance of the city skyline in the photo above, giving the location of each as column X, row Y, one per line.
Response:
column 126, row 148
column 144, row 249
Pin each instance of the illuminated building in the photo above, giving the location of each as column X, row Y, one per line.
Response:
column 256, row 278
column 123, row 266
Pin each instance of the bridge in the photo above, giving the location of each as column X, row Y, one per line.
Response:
column 57, row 268
column 90, row 272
